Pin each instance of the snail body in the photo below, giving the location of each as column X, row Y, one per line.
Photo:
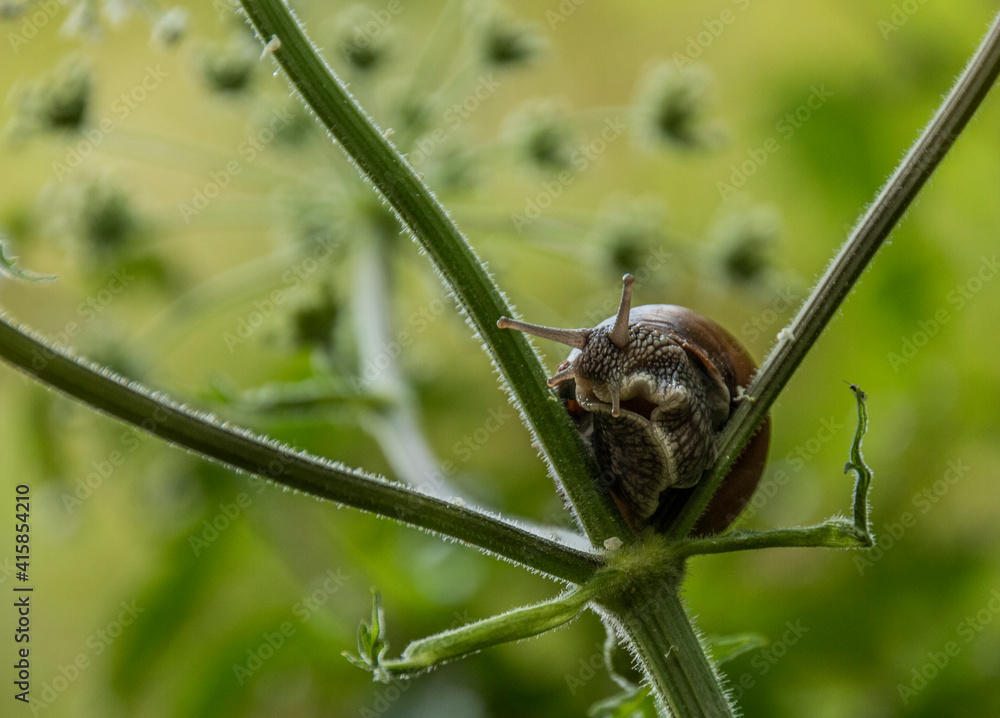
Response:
column 651, row 388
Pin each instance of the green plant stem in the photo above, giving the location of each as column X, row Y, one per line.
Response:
column 508, row 627
column 872, row 229
column 835, row 533
column 464, row 274
column 395, row 424
column 240, row 449
column 667, row 647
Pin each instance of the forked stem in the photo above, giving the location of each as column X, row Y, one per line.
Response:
column 856, row 254
column 833, row 533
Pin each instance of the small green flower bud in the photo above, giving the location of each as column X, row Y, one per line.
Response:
column 314, row 319
column 59, row 100
column 543, row 136
column 506, row 44
column 229, row 67
column 105, row 217
column 364, row 37
column 452, row 169
column 630, row 232
column 744, row 242
column 291, row 123
column 414, row 115
column 671, row 107
column 170, row 28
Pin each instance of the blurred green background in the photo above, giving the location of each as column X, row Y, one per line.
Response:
column 210, row 242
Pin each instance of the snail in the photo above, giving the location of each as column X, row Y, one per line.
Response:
column 651, row 388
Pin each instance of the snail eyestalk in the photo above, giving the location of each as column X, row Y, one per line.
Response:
column 576, row 338
column 619, row 335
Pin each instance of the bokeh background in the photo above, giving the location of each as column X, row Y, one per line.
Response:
column 210, row 241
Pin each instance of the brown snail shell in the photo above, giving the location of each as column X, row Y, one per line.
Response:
column 651, row 388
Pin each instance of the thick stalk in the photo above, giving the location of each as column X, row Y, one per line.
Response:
column 666, row 645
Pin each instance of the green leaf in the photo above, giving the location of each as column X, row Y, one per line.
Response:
column 371, row 645
column 860, row 468
column 628, row 704
column 166, row 605
column 726, row 648
column 9, row 268
column 638, row 702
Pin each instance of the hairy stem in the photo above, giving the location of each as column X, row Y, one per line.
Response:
column 515, row 625
column 240, row 449
column 464, row 274
column 835, row 533
column 795, row 340
column 667, row 647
